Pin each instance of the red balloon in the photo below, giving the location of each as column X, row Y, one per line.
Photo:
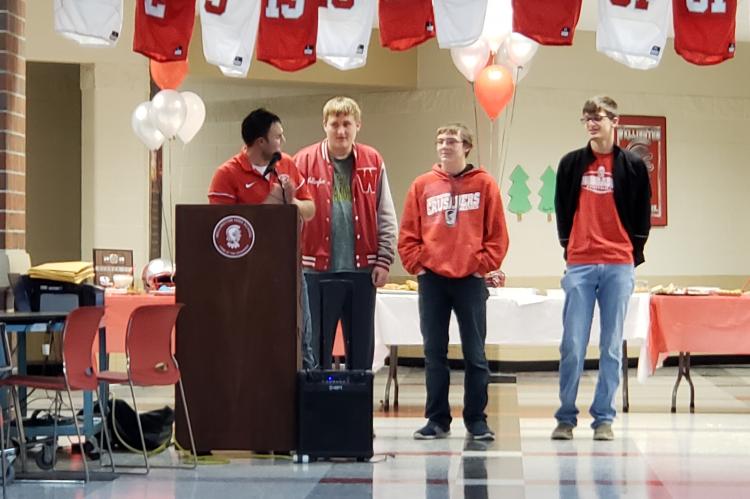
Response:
column 168, row 75
column 494, row 88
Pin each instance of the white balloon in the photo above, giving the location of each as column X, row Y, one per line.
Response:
column 143, row 127
column 196, row 114
column 168, row 111
column 498, row 23
column 520, row 49
column 471, row 60
column 504, row 58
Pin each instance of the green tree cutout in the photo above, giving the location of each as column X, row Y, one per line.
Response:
column 547, row 193
column 519, row 193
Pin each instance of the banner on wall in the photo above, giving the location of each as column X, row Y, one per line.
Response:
column 646, row 136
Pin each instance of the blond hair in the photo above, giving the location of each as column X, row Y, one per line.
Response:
column 601, row 103
column 342, row 105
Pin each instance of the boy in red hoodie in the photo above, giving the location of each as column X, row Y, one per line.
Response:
column 452, row 234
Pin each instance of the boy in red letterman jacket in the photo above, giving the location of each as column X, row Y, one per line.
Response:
column 349, row 246
column 452, row 234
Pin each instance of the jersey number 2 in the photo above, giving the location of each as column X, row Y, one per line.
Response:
column 215, row 6
column 155, row 8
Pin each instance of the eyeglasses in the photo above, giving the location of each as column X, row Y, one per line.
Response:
column 596, row 118
column 448, row 142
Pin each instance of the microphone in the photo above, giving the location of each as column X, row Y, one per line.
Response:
column 271, row 168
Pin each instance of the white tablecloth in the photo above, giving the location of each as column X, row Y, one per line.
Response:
column 515, row 316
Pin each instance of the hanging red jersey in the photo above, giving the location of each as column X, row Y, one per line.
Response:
column 405, row 23
column 704, row 30
column 549, row 23
column 287, row 33
column 163, row 28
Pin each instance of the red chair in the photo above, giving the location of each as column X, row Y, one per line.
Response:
column 150, row 362
column 79, row 373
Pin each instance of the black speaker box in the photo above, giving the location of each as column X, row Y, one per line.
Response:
column 334, row 414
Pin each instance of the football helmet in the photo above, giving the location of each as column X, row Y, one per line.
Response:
column 157, row 274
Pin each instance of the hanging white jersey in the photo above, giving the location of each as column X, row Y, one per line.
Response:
column 458, row 23
column 344, row 29
column 229, row 29
column 633, row 32
column 89, row 22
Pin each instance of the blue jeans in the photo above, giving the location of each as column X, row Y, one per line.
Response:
column 611, row 285
column 308, row 358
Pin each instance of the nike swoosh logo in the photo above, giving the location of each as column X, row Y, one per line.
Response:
column 247, row 186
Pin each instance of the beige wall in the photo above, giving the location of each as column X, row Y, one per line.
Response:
column 53, row 162
column 707, row 110
column 708, row 120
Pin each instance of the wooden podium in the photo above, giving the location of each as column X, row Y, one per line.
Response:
column 238, row 337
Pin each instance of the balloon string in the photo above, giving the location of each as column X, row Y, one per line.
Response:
column 165, row 218
column 476, row 124
column 500, row 145
column 171, row 203
column 509, row 123
column 493, row 132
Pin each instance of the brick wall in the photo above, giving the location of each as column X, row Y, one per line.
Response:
column 12, row 124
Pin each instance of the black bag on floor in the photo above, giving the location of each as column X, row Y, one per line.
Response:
column 157, row 426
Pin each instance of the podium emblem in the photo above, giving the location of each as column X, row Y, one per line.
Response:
column 234, row 236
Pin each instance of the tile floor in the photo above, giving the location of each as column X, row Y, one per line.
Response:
column 656, row 454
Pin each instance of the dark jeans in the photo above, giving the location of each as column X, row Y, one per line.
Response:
column 349, row 297
column 467, row 297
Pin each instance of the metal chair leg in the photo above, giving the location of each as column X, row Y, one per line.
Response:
column 19, row 427
column 190, row 426
column 58, row 406
column 105, row 432
column 5, row 446
column 140, row 428
column 80, row 436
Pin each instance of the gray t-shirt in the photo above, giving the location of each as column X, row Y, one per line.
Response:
column 342, row 218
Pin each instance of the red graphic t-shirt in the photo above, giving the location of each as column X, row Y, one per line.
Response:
column 598, row 235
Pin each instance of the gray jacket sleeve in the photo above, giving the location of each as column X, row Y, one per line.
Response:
column 387, row 224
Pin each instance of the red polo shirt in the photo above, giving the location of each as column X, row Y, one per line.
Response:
column 237, row 182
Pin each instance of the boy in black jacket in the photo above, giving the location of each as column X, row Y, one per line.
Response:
column 603, row 206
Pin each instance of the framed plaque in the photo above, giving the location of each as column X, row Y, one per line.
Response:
column 111, row 262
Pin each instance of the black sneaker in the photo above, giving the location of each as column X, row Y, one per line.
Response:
column 431, row 431
column 478, row 430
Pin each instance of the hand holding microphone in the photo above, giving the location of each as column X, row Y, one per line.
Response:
column 284, row 189
column 271, row 168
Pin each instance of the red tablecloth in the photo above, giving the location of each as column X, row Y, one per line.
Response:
column 117, row 309
column 706, row 324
